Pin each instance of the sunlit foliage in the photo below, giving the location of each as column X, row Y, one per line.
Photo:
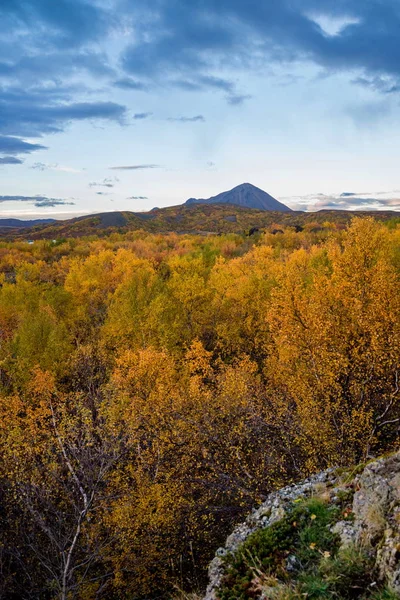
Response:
column 155, row 387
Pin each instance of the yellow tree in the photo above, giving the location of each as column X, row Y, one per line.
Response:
column 335, row 320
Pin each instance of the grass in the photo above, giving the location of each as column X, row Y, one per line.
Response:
column 304, row 533
column 321, row 571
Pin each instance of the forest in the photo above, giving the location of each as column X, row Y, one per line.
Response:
column 156, row 387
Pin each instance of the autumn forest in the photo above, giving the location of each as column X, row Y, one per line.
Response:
column 156, row 387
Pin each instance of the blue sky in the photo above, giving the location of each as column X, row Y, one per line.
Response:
column 127, row 105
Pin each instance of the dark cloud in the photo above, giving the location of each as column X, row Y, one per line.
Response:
column 39, row 201
column 127, row 83
column 238, row 99
column 10, row 160
column 134, row 167
column 196, row 119
column 204, row 82
column 65, row 22
column 48, row 202
column 385, row 85
column 36, row 112
column 137, row 198
column 14, row 145
column 185, row 42
column 141, row 116
column 47, row 66
column 102, row 193
column 46, row 44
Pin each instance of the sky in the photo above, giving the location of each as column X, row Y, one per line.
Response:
column 130, row 104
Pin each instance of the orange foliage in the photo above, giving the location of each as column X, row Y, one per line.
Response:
column 176, row 380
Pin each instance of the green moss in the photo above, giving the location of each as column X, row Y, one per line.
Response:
column 348, row 574
column 322, row 571
column 349, row 473
column 345, row 495
column 313, row 586
column 304, row 533
column 384, row 594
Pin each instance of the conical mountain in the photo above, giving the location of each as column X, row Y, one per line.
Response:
column 246, row 195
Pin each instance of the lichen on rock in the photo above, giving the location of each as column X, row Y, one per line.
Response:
column 366, row 505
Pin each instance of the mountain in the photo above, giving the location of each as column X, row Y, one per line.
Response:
column 246, row 195
column 19, row 223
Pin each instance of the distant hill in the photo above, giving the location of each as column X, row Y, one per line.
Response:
column 19, row 223
column 245, row 195
column 203, row 219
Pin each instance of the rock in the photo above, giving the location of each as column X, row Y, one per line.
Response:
column 346, row 531
column 371, row 519
column 292, row 564
column 272, row 510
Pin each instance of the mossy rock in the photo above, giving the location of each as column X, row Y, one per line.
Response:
column 299, row 557
column 303, row 533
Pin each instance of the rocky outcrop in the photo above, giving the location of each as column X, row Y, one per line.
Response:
column 370, row 494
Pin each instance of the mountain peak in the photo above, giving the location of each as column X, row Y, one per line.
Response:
column 246, row 195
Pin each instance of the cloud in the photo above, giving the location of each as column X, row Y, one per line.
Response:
column 66, row 22
column 140, row 116
column 196, row 119
column 39, row 166
column 385, row 85
column 137, row 198
column 47, row 65
column 368, row 113
column 193, row 45
column 200, row 82
column 238, row 99
column 185, row 42
column 39, row 201
column 45, row 46
column 48, row 47
column 14, row 145
column 10, row 160
column 126, row 83
column 107, row 182
column 34, row 113
column 102, row 193
column 134, row 167
column 368, row 201
column 47, row 202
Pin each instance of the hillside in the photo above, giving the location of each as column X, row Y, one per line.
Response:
column 195, row 218
column 246, row 195
column 19, row 223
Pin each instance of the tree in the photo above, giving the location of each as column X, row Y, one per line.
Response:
column 57, row 462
